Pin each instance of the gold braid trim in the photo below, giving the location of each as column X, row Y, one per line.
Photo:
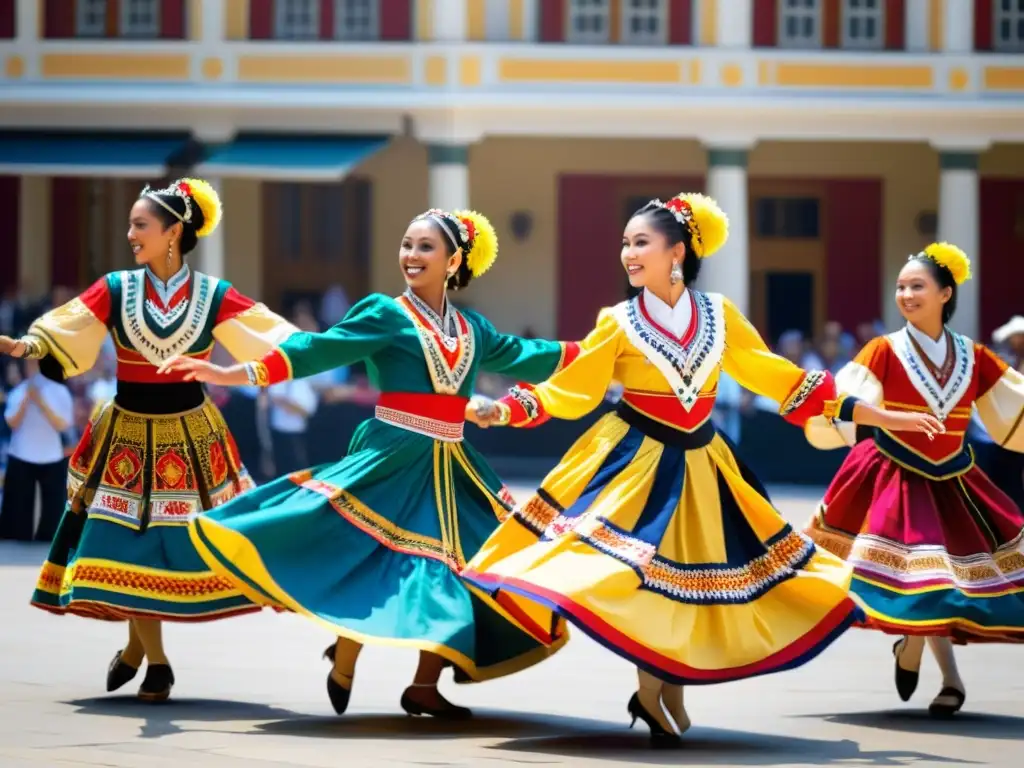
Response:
column 35, row 347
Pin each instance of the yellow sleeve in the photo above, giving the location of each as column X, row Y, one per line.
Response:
column 1001, row 406
column 73, row 333
column 576, row 389
column 748, row 360
column 251, row 334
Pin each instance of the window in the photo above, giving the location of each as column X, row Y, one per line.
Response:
column 1008, row 35
column 356, row 20
column 316, row 235
column 644, row 22
column 296, row 19
column 140, row 18
column 289, row 215
column 788, row 217
column 588, row 21
column 863, row 24
column 800, row 23
column 91, row 18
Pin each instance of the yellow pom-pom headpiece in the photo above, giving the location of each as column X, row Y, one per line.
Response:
column 206, row 197
column 483, row 241
column 189, row 191
column 952, row 258
column 704, row 220
column 469, row 232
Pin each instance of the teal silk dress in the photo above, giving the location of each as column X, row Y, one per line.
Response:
column 371, row 547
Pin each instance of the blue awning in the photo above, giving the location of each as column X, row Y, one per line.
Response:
column 86, row 154
column 297, row 157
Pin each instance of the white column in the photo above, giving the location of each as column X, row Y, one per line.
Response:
column 959, row 224
column 34, row 225
column 450, row 20
column 916, row 22
column 211, row 248
column 213, row 27
column 958, row 26
column 531, row 21
column 27, row 34
column 448, row 176
column 728, row 271
column 734, row 23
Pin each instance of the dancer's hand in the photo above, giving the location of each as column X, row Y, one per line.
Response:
column 208, row 373
column 12, row 347
column 914, row 422
column 481, row 411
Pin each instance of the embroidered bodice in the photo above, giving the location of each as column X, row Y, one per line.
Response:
column 151, row 321
column 410, row 349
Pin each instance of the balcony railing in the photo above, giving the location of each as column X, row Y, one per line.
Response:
column 493, row 68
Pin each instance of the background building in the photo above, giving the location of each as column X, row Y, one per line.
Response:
column 840, row 135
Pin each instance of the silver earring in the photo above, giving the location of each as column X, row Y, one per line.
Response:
column 676, row 275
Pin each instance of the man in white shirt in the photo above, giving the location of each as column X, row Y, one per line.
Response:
column 291, row 405
column 38, row 410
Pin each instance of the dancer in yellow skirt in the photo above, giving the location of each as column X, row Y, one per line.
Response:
column 650, row 535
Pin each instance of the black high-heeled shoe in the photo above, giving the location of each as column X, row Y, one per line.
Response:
column 906, row 680
column 447, row 711
column 660, row 738
column 944, row 710
column 119, row 672
column 336, row 692
column 157, row 684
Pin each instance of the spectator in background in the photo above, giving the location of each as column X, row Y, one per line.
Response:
column 10, row 378
column 292, row 403
column 1009, row 338
column 38, row 412
column 104, row 386
column 333, row 306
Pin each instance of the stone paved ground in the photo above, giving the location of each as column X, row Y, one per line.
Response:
column 250, row 694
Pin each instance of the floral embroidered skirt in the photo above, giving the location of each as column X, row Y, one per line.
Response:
column 930, row 557
column 371, row 548
column 668, row 552
column 122, row 549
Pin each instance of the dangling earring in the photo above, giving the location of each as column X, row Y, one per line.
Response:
column 676, row 275
column 170, row 254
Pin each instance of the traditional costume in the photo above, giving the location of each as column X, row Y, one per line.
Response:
column 154, row 455
column 371, row 546
column 937, row 549
column 650, row 534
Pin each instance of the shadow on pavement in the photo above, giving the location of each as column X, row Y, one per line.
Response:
column 483, row 725
column 714, row 746
column 160, row 719
column 968, row 724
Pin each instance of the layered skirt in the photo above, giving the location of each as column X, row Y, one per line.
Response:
column 122, row 549
column 930, row 556
column 664, row 548
column 371, row 548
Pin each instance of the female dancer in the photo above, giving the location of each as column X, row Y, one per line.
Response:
column 157, row 452
column 650, row 535
column 371, row 546
column 937, row 549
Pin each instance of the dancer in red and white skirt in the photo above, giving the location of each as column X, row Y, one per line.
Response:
column 937, row 548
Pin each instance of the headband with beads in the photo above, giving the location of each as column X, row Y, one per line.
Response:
column 443, row 218
column 683, row 213
column 182, row 190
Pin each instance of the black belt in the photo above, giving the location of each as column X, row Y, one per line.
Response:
column 159, row 399
column 663, row 433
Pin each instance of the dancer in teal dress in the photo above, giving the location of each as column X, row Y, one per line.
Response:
column 160, row 450
column 372, row 546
